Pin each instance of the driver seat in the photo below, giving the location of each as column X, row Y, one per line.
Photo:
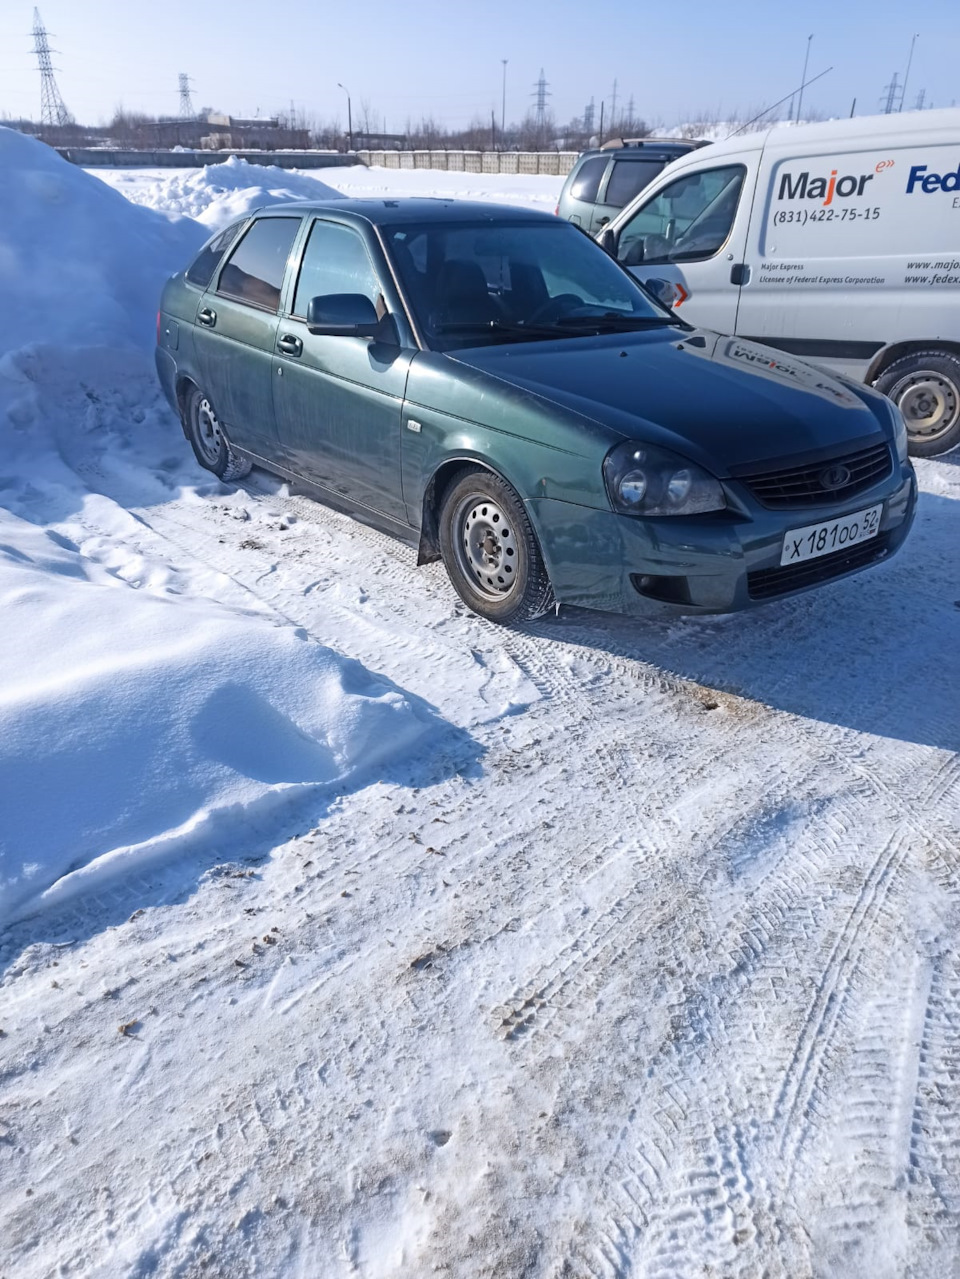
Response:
column 462, row 296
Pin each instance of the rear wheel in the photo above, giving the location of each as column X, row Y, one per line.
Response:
column 209, row 440
column 925, row 386
column 490, row 550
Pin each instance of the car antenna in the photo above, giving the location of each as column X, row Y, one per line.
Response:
column 776, row 104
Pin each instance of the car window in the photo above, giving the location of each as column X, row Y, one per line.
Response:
column 586, row 184
column 628, row 179
column 254, row 272
column 687, row 221
column 200, row 271
column 334, row 261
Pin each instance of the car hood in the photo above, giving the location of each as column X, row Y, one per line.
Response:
column 731, row 404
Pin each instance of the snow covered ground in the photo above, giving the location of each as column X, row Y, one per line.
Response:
column 398, row 944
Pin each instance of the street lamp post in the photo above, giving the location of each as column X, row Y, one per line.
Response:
column 503, row 103
column 349, row 114
column 803, row 80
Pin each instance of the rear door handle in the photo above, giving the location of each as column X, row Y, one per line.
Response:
column 207, row 317
column 289, row 344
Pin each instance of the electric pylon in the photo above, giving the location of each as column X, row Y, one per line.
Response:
column 52, row 108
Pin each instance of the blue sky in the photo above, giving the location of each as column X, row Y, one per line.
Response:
column 434, row 57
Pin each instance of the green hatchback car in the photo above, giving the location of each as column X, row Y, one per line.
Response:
column 489, row 384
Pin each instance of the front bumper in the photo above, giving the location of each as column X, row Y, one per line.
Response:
column 718, row 563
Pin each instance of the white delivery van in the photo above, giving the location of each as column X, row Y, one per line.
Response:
column 836, row 242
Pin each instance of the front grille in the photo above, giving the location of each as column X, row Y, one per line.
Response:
column 802, row 485
column 764, row 583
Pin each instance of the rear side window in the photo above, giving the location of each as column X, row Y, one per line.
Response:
column 589, row 176
column 255, row 270
column 628, row 179
column 205, row 263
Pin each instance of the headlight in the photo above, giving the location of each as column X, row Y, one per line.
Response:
column 899, row 432
column 643, row 479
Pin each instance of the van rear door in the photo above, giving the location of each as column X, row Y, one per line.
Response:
column 692, row 231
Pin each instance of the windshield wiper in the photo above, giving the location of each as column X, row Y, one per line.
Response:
column 611, row 319
column 495, row 327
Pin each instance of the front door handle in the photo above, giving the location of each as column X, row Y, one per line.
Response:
column 740, row 273
column 207, row 317
column 289, row 344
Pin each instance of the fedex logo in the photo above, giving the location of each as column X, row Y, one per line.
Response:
column 930, row 182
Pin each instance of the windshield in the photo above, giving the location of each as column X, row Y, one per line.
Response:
column 502, row 281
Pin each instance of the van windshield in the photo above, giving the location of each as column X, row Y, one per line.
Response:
column 501, row 281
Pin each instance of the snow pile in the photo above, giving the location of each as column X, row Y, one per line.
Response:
column 218, row 193
column 140, row 718
column 77, row 264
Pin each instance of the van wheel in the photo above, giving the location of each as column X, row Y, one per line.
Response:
column 208, row 438
column 925, row 386
column 490, row 550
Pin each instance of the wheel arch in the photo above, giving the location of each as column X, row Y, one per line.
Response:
column 184, row 385
column 443, row 476
column 897, row 350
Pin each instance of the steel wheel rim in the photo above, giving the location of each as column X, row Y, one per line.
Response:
column 929, row 403
column 207, row 431
column 488, row 554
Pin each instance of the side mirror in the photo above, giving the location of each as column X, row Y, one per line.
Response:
column 346, row 315
column 607, row 239
column 665, row 291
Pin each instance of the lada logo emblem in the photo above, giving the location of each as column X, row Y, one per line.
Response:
column 834, row 477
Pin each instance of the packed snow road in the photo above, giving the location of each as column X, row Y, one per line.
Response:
column 641, row 962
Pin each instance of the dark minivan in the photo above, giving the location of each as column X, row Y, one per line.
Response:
column 606, row 179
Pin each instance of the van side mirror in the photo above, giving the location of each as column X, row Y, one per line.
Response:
column 665, row 291
column 607, row 239
column 347, row 315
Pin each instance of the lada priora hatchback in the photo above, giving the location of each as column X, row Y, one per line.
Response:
column 490, row 384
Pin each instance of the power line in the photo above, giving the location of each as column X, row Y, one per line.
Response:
column 53, row 111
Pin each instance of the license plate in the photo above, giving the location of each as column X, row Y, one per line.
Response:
column 833, row 535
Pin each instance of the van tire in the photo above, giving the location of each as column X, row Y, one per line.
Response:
column 925, row 386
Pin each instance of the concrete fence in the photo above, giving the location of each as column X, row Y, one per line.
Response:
column 110, row 158
column 553, row 163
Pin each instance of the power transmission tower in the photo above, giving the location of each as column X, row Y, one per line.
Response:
column 920, row 97
column 613, row 106
column 588, row 116
column 891, row 91
column 52, row 108
column 630, row 110
column 541, row 93
column 186, row 102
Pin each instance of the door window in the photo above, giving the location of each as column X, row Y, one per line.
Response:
column 589, row 176
column 334, row 261
column 201, row 269
column 689, row 220
column 628, row 179
column 255, row 270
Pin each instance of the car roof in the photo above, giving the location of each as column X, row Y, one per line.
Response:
column 396, row 212
column 650, row 149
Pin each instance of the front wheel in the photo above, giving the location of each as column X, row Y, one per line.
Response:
column 490, row 550
column 208, row 438
column 925, row 386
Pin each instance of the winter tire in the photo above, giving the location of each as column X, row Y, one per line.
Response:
column 925, row 386
column 209, row 440
column 490, row 550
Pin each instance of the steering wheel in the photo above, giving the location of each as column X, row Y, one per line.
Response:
column 550, row 311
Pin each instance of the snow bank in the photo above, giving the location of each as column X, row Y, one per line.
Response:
column 140, row 718
column 77, row 263
column 218, row 193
